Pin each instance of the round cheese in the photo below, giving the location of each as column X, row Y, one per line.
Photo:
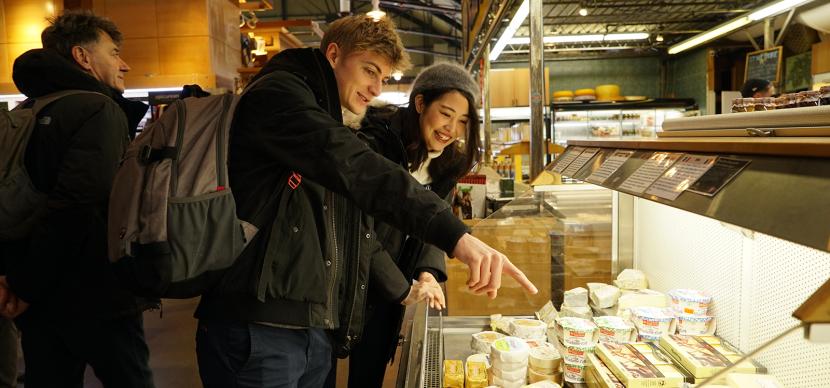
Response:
column 608, row 93
column 509, row 349
column 652, row 321
column 482, row 341
column 585, row 92
column 690, row 301
column 508, row 366
column 535, row 376
column 614, row 329
column 509, row 383
column 563, row 93
column 544, row 358
column 575, row 373
column 510, row 375
column 528, row 328
column 576, row 331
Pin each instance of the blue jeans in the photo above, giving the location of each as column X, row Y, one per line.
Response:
column 242, row 355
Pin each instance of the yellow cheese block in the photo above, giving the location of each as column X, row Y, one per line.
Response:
column 476, row 374
column 453, row 374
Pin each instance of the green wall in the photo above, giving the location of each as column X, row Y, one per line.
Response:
column 686, row 75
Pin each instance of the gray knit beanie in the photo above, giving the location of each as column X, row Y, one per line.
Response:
column 445, row 75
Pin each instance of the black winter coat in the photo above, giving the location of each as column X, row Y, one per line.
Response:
column 62, row 269
column 304, row 268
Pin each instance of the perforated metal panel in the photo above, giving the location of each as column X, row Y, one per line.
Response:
column 756, row 280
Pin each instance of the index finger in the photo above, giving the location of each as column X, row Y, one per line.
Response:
column 520, row 277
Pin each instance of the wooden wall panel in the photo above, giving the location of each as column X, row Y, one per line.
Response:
column 184, row 55
column 182, row 18
column 135, row 18
column 142, row 55
column 821, row 57
column 25, row 20
column 5, row 64
column 3, row 38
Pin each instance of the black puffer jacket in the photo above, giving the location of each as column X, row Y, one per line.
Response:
column 62, row 269
column 303, row 269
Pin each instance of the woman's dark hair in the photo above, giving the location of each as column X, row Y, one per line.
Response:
column 77, row 28
column 457, row 159
column 753, row 85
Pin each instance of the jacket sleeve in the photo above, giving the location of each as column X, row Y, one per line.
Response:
column 385, row 278
column 76, row 219
column 431, row 259
column 282, row 119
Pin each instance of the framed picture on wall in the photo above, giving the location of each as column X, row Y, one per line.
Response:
column 797, row 72
column 764, row 64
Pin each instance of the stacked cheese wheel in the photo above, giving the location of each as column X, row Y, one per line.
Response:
column 544, row 363
column 509, row 358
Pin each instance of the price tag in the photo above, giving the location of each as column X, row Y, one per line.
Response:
column 681, row 175
column 724, row 170
column 580, row 161
column 570, row 155
column 610, row 166
column 655, row 166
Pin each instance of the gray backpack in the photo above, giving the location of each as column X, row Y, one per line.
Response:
column 21, row 204
column 173, row 228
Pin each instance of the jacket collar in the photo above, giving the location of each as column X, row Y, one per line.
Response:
column 312, row 67
column 40, row 72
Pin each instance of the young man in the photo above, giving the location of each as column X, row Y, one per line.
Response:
column 265, row 324
column 74, row 313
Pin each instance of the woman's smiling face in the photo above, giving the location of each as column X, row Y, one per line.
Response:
column 444, row 120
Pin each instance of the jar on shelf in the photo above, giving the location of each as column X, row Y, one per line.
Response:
column 809, row 98
column 825, row 95
column 780, row 103
column 749, row 104
column 764, row 104
column 738, row 105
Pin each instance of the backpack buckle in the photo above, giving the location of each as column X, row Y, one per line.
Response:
column 144, row 154
column 294, row 180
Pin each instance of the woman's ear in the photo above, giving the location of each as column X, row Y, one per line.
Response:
column 419, row 103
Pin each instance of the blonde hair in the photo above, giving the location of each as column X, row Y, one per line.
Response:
column 362, row 33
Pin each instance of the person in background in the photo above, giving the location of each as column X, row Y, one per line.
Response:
column 70, row 309
column 266, row 322
column 757, row 88
column 436, row 139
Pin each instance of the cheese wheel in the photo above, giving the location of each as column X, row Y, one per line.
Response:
column 563, row 93
column 585, row 92
column 608, row 92
column 481, row 341
column 528, row 328
column 510, row 366
column 543, row 384
column 509, row 383
column 535, row 376
column 510, row 375
column 509, row 349
column 544, row 358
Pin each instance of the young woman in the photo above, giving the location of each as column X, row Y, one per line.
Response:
column 437, row 139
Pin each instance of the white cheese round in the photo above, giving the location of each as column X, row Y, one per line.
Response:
column 482, row 341
column 528, row 328
column 509, row 349
column 545, row 358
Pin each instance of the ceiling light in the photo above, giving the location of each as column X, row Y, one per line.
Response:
column 376, row 14
column 507, row 35
column 704, row 37
column 397, row 75
column 583, row 38
column 776, row 8
column 735, row 24
column 583, row 11
column 659, row 38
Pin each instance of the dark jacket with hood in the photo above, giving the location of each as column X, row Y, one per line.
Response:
column 62, row 268
column 304, row 268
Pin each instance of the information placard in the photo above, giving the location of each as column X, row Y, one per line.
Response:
column 655, row 166
column 764, row 64
column 681, row 175
column 724, row 170
column 570, row 155
column 580, row 161
column 609, row 166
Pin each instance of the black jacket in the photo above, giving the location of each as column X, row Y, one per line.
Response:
column 303, row 269
column 62, row 269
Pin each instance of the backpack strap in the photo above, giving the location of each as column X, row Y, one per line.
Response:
column 43, row 102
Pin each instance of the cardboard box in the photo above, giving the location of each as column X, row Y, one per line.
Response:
column 705, row 355
column 597, row 374
column 642, row 365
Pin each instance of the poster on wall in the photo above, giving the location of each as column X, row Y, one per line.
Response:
column 797, row 72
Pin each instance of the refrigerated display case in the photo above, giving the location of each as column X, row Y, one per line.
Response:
column 760, row 245
column 625, row 119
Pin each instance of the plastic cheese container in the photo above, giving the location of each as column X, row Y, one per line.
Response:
column 575, row 354
column 688, row 324
column 690, row 301
column 652, row 321
column 615, row 329
column 576, row 331
column 574, row 373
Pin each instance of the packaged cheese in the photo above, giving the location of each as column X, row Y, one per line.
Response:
column 476, row 374
column 482, row 341
column 528, row 328
column 545, row 358
column 576, row 331
column 453, row 374
column 497, row 381
column 640, row 365
column 705, row 355
column 690, row 301
column 615, row 329
column 575, row 354
column 688, row 324
column 577, row 297
column 510, row 375
column 631, row 279
column 603, row 295
column 509, row 349
column 574, row 373
column 535, row 376
column 743, row 380
column 479, row 357
column 576, row 312
column 597, row 375
column 542, row 384
column 500, row 323
column 508, row 366
column 548, row 313
column 653, row 321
